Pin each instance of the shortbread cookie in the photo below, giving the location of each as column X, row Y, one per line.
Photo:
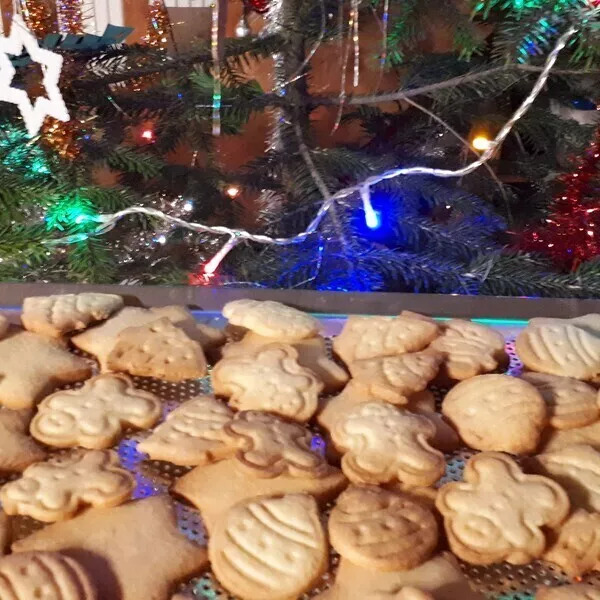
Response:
column 158, row 349
column 270, row 380
column 578, row 591
column 64, row 313
column 380, row 530
column 215, row 487
column 383, row 443
column 441, row 577
column 100, row 340
column 312, row 354
column 269, row 548
column 59, row 488
column 422, row 495
column 589, row 322
column 553, row 440
column 498, row 512
column 271, row 319
column 17, row 449
column 32, row 366
column 364, row 338
column 470, row 349
column 4, row 326
column 94, row 416
column 497, row 412
column 571, row 403
column 577, row 470
column 131, row 552
column 192, row 434
column 565, row 350
column 268, row 446
column 44, row 575
column 576, row 547
column 411, row 593
column 393, row 378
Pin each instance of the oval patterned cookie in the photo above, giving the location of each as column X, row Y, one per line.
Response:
column 269, row 548
column 578, row 591
column 571, row 403
column 383, row 444
column 380, row 530
column 497, row 413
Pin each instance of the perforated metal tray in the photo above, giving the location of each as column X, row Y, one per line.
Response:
column 498, row 582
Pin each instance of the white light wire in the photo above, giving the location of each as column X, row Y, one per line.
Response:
column 108, row 221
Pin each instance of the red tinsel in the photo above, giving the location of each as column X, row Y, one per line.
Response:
column 259, row 6
column 570, row 233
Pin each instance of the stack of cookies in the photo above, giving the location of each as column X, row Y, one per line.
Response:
column 302, row 462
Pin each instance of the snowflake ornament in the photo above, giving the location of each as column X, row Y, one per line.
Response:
column 53, row 105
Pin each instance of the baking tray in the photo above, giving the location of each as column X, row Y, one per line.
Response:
column 499, row 582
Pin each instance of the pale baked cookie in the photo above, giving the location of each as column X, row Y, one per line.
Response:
column 553, row 440
column 192, row 434
column 571, row 403
column 271, row 319
column 268, row 446
column 364, row 338
column 270, row 380
column 57, row 489
column 563, row 349
column 441, row 577
column 131, row 552
column 589, row 322
column 44, row 575
column 497, row 412
column 380, row 530
column 215, row 487
column 411, row 593
column 498, row 512
column 393, row 378
column 576, row 547
column 17, row 449
column 57, row 315
column 94, row 416
column 312, row 354
column 470, row 349
column 270, row 548
column 32, row 366
column 158, row 349
column 577, row 470
column 578, row 591
column 382, row 443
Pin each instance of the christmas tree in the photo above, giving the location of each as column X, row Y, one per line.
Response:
column 145, row 120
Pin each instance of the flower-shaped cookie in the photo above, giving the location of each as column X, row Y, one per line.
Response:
column 57, row 489
column 498, row 512
column 269, row 380
column 383, row 444
column 269, row 446
column 94, row 415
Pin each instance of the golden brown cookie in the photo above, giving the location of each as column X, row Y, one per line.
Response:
column 363, row 338
column 577, row 470
column 192, row 434
column 17, row 449
column 269, row 548
column 498, row 512
column 57, row 315
column 50, row 575
column 393, row 378
column 5, row 532
column 58, row 488
column 381, row 530
column 271, row 319
column 575, row 548
column 469, row 349
column 497, row 413
column 158, row 349
column 578, row 591
column 131, row 552
column 269, row 380
column 32, row 366
column 571, row 403
column 382, row 443
column 269, row 446
column 215, row 487
column 94, row 416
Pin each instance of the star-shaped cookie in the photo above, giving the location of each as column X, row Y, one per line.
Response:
column 17, row 449
column 31, row 366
